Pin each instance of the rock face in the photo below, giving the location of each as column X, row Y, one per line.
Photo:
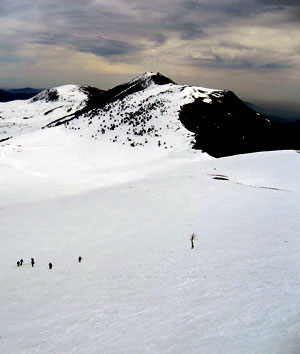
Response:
column 226, row 126
column 151, row 109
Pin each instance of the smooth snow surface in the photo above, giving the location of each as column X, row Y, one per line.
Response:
column 141, row 288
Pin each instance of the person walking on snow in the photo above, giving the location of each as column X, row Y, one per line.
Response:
column 32, row 262
column 193, row 237
column 21, row 261
column 79, row 259
column 50, row 265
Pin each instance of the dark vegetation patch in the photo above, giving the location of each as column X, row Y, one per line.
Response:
column 51, row 110
column 91, row 92
column 221, row 178
column 1, row 140
column 60, row 121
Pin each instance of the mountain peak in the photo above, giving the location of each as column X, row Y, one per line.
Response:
column 152, row 77
column 59, row 93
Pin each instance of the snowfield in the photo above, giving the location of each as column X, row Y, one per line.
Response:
column 24, row 116
column 129, row 212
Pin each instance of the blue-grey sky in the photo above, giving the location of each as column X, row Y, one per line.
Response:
column 249, row 46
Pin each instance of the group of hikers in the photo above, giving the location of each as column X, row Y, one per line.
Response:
column 20, row 262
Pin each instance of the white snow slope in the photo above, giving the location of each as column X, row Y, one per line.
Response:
column 129, row 212
column 21, row 117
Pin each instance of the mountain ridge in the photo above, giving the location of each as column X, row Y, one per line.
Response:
column 18, row 94
column 151, row 107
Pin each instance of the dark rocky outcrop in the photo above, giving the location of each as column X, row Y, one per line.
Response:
column 227, row 126
column 49, row 95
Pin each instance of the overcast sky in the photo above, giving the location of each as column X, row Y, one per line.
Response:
column 249, row 46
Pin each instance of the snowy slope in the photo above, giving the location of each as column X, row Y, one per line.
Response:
column 20, row 117
column 129, row 213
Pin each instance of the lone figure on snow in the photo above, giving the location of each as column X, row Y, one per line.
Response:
column 79, row 259
column 50, row 265
column 193, row 237
column 32, row 262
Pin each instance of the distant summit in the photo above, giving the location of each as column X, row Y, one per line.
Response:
column 138, row 84
column 18, row 94
column 29, row 90
column 152, row 78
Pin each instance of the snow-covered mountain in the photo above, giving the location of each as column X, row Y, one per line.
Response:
column 23, row 116
column 145, row 110
column 149, row 109
column 112, row 178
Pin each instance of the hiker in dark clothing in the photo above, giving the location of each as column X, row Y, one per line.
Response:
column 50, row 265
column 79, row 259
column 32, row 262
column 18, row 264
column 193, row 237
column 21, row 262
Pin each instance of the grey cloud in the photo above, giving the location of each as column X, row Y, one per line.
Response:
column 187, row 29
column 107, row 47
column 158, row 38
column 123, row 28
column 49, row 38
column 146, row 22
column 126, row 28
column 191, row 19
column 291, row 8
column 8, row 8
column 278, row 2
column 242, row 57
column 219, row 62
column 86, row 27
column 98, row 45
column 222, row 11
